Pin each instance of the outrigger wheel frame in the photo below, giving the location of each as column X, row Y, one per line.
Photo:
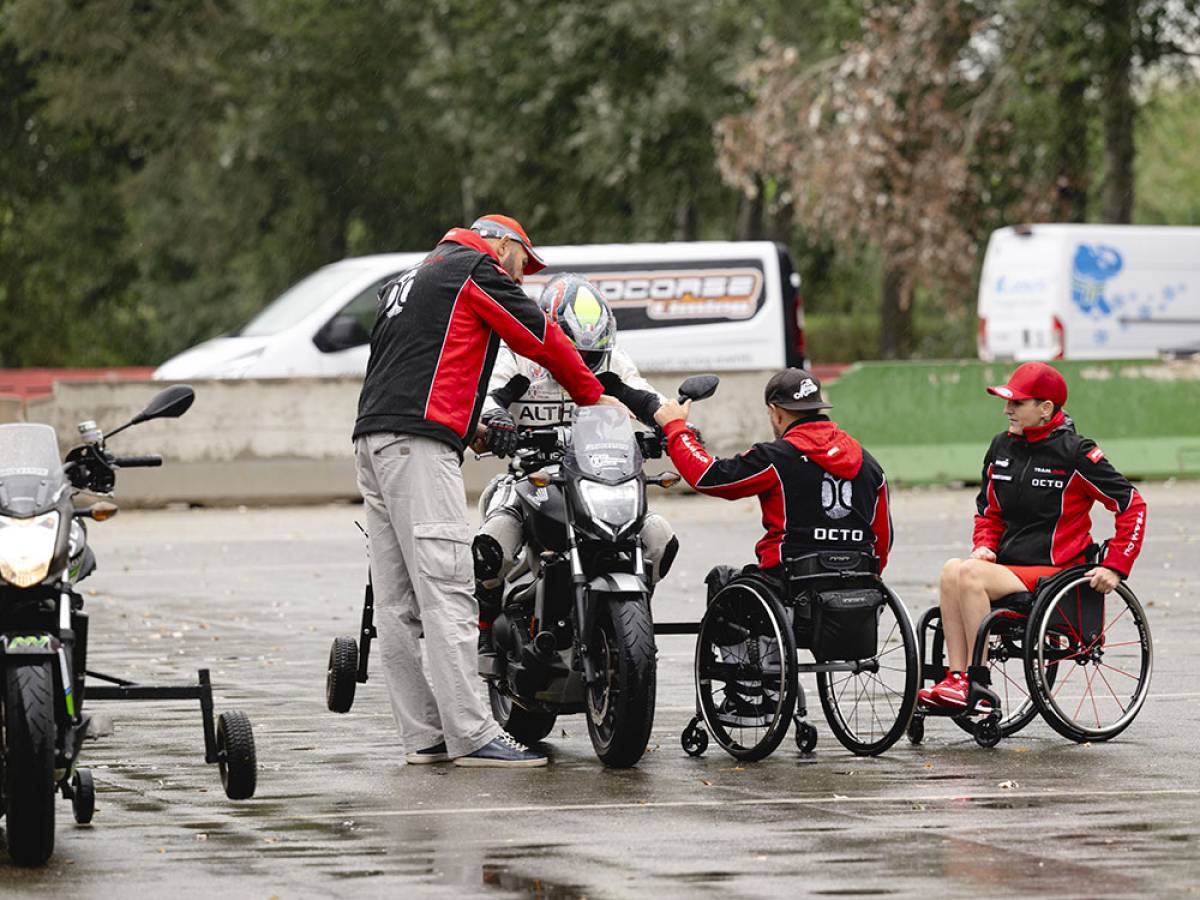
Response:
column 230, row 745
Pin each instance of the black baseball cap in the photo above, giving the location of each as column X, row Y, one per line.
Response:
column 797, row 390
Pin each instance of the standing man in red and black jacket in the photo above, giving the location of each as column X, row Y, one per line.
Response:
column 432, row 349
column 818, row 488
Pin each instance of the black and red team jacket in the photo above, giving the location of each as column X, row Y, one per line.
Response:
column 1034, row 505
column 818, row 488
column 435, row 339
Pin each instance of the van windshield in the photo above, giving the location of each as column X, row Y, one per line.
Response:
column 296, row 302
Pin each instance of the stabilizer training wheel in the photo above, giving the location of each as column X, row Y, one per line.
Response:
column 694, row 739
column 806, row 737
column 916, row 730
column 236, row 757
column 83, row 796
column 987, row 731
column 342, row 675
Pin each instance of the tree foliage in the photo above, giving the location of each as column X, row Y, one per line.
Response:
column 167, row 166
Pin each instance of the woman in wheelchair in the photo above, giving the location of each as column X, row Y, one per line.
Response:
column 1040, row 481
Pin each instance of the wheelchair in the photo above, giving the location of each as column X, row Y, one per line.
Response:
column 832, row 603
column 1080, row 659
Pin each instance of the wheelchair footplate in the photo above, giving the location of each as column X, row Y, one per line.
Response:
column 981, row 716
column 229, row 742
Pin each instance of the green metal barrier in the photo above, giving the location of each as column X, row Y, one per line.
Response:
column 932, row 422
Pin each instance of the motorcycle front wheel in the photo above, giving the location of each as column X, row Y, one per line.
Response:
column 620, row 705
column 29, row 732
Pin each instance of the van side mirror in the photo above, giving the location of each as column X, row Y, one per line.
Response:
column 341, row 333
column 698, row 387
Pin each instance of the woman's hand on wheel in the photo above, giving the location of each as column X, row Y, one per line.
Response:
column 984, row 553
column 1102, row 579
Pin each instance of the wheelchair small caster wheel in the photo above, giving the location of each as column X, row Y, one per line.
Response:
column 916, row 730
column 83, row 796
column 987, row 732
column 694, row 739
column 806, row 737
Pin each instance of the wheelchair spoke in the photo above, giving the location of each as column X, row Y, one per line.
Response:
column 1104, row 678
column 887, row 690
column 1092, row 693
column 1120, row 671
column 1086, row 689
column 1070, row 672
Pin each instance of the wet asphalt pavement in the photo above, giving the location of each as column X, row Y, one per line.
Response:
column 257, row 596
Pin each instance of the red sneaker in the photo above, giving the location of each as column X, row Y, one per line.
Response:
column 926, row 698
column 951, row 691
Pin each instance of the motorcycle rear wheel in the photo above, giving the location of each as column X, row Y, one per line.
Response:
column 620, row 706
column 526, row 725
column 29, row 765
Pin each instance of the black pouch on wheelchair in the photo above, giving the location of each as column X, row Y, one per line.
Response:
column 1079, row 615
column 805, row 598
column 846, row 623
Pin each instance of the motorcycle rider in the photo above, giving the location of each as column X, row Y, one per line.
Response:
column 523, row 393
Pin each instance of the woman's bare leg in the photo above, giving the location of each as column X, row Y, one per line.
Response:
column 952, row 627
column 979, row 583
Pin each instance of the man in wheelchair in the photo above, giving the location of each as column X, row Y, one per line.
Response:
column 826, row 515
column 817, row 486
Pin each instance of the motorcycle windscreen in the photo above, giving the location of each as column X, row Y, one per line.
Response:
column 602, row 446
column 31, row 473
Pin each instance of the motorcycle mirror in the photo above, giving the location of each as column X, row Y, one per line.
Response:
column 100, row 511
column 698, row 387
column 170, row 403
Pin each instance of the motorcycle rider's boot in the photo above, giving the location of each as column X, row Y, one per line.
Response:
column 489, row 588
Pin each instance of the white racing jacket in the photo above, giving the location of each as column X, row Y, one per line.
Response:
column 546, row 402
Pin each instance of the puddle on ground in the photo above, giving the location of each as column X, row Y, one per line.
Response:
column 503, row 878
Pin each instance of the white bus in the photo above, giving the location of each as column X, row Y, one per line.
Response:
column 1089, row 292
column 706, row 305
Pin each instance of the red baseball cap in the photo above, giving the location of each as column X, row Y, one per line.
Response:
column 506, row 226
column 1034, row 381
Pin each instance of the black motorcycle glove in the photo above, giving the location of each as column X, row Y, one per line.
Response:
column 501, row 432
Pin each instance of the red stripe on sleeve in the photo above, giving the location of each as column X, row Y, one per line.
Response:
column 881, row 526
column 551, row 349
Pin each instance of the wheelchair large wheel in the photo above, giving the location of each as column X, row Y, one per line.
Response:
column 868, row 709
column 1005, row 657
column 1103, row 643
column 746, row 671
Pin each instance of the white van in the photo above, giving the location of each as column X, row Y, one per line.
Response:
column 1089, row 292
column 709, row 305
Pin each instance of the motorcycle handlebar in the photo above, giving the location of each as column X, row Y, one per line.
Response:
column 137, row 462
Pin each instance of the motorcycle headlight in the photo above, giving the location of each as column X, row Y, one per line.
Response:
column 27, row 548
column 611, row 506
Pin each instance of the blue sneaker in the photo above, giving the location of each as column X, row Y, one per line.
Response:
column 505, row 752
column 435, row 754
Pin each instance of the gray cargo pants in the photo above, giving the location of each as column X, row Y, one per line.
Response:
column 422, row 575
